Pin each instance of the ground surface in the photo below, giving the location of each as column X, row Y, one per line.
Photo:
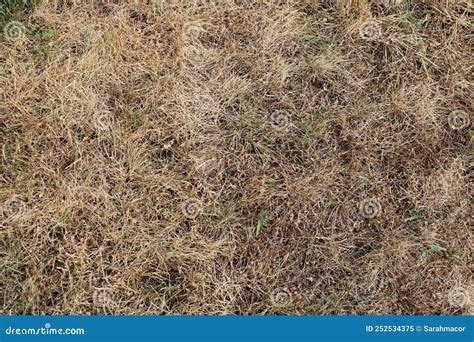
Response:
column 237, row 157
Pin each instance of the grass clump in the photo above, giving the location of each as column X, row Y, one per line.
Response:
column 206, row 157
column 15, row 10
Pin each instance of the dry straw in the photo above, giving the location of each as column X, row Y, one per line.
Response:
column 149, row 140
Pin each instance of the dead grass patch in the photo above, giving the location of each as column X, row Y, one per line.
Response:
column 143, row 144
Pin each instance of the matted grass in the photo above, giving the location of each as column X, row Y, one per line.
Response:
column 237, row 157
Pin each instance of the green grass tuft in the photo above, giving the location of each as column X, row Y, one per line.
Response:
column 15, row 10
column 431, row 250
column 261, row 219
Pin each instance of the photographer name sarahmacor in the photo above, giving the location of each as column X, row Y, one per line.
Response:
column 413, row 328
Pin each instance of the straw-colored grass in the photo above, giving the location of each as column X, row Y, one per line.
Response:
column 143, row 144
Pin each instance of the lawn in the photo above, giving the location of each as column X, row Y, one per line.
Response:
column 238, row 157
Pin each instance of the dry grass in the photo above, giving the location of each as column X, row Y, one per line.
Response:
column 144, row 143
